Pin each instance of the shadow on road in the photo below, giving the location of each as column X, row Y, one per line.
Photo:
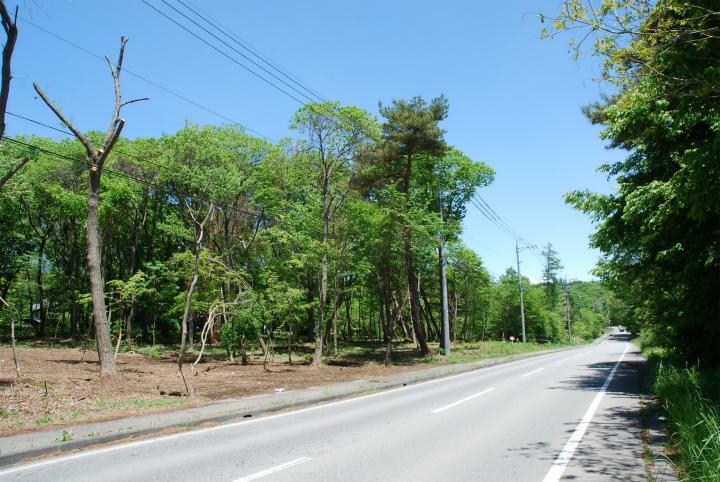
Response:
column 612, row 447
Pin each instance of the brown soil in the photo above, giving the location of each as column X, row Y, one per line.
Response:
column 58, row 389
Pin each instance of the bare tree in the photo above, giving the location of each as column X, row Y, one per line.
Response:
column 199, row 224
column 96, row 157
column 12, row 334
column 11, row 31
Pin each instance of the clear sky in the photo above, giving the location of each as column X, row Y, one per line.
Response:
column 514, row 99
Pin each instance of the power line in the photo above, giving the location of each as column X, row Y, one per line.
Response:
column 489, row 217
column 149, row 81
column 484, row 246
column 249, row 48
column 115, row 149
column 123, row 174
column 63, row 131
column 299, row 92
column 336, row 119
column 497, row 216
column 223, row 53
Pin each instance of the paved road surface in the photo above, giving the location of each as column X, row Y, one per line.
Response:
column 568, row 415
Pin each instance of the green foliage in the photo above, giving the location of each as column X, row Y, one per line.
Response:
column 659, row 230
column 693, row 417
column 344, row 196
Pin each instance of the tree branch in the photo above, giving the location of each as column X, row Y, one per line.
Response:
column 11, row 30
column 109, row 143
column 12, row 172
column 134, row 100
column 92, row 153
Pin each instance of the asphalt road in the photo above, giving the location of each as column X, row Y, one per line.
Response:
column 567, row 415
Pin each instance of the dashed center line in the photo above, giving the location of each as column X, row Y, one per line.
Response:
column 533, row 372
column 273, row 470
column 454, row 404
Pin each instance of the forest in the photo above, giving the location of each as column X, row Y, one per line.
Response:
column 213, row 235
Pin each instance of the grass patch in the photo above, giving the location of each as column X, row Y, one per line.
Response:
column 65, row 436
column 481, row 350
column 44, row 419
column 154, row 352
column 108, row 404
column 692, row 415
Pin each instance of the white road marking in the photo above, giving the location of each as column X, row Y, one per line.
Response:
column 454, row 404
column 562, row 360
column 563, row 459
column 139, row 443
column 273, row 470
column 533, row 372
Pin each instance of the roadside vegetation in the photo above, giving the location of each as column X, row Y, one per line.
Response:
column 659, row 230
column 690, row 397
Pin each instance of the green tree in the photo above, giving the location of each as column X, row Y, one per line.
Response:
column 660, row 230
column 333, row 135
column 411, row 128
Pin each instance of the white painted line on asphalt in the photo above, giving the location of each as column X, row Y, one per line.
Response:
column 463, row 400
column 563, row 459
column 562, row 360
column 273, row 470
column 139, row 443
column 533, row 372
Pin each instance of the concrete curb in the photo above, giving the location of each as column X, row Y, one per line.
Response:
column 16, row 448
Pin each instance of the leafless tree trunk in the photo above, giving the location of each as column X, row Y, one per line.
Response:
column 96, row 157
column 12, row 335
column 199, row 230
column 11, row 31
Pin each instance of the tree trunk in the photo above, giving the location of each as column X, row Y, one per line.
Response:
column 40, row 280
column 74, row 307
column 414, row 297
column 97, row 284
column 135, row 260
column 410, row 267
column 12, row 335
column 348, row 320
column 317, row 356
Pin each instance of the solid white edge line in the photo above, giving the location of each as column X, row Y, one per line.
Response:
column 272, row 470
column 139, row 443
column 563, row 459
column 462, row 400
column 533, row 372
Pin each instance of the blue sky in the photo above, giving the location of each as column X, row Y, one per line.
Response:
column 514, row 99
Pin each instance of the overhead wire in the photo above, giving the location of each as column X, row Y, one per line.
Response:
column 310, row 98
column 249, row 48
column 336, row 118
column 115, row 148
column 147, row 183
column 480, row 203
column 149, row 81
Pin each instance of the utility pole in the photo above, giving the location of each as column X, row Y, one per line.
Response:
column 443, row 282
column 567, row 304
column 522, row 306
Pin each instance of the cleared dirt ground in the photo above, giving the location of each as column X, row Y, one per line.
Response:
column 57, row 388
